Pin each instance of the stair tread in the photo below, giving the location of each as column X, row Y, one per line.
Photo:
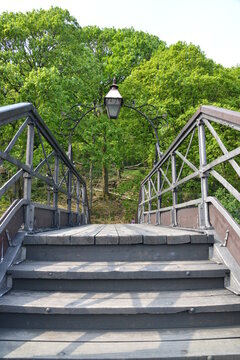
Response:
column 120, row 335
column 119, row 303
column 159, row 344
column 159, row 269
column 96, row 234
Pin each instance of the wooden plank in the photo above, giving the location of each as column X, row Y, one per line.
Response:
column 15, row 295
column 64, row 236
column 151, row 235
column 96, row 336
column 110, row 234
column 173, row 235
column 85, row 235
column 128, row 235
column 107, row 236
column 85, row 270
column 120, row 350
column 123, row 303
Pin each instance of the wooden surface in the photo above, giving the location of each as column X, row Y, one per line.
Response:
column 160, row 344
column 117, row 270
column 43, row 315
column 164, row 302
column 115, row 234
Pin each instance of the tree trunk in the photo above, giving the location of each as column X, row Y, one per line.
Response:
column 104, row 168
column 119, row 174
column 91, row 186
column 105, row 180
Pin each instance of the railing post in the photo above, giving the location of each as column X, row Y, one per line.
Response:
column 55, row 192
column 203, row 207
column 143, row 204
column 159, row 201
column 48, row 192
column 78, row 200
column 29, row 215
column 69, row 199
column 83, row 204
column 174, row 189
column 149, row 201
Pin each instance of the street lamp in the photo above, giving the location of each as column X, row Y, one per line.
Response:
column 113, row 102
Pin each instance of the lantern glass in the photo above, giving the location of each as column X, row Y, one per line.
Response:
column 113, row 106
column 113, row 101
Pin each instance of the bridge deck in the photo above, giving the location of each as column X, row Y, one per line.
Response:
column 114, row 234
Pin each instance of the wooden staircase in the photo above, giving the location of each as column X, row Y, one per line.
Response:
column 119, row 292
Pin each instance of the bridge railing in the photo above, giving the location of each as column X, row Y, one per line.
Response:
column 203, row 159
column 32, row 163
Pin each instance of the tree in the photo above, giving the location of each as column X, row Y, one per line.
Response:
column 118, row 52
column 38, row 62
column 179, row 79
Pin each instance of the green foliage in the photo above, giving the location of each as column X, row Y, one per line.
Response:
column 120, row 51
column 38, row 62
column 46, row 58
column 229, row 202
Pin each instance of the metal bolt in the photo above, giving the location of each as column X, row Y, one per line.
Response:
column 50, row 273
column 210, row 357
column 48, row 310
column 188, row 273
column 191, row 311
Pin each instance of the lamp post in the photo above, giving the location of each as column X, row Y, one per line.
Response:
column 113, row 102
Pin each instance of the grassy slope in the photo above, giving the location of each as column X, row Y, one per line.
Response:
column 121, row 204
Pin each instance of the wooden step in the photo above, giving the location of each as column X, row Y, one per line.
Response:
column 120, row 310
column 138, row 252
column 114, row 234
column 130, row 276
column 210, row 343
column 133, row 242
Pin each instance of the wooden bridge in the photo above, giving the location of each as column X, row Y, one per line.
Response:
column 164, row 288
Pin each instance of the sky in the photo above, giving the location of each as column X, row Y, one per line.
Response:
column 214, row 25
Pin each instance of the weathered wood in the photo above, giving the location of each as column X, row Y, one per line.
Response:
column 150, row 235
column 120, row 350
column 117, row 270
column 118, row 234
column 85, row 235
column 96, row 336
column 107, row 236
column 120, row 303
column 58, row 237
column 128, row 235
